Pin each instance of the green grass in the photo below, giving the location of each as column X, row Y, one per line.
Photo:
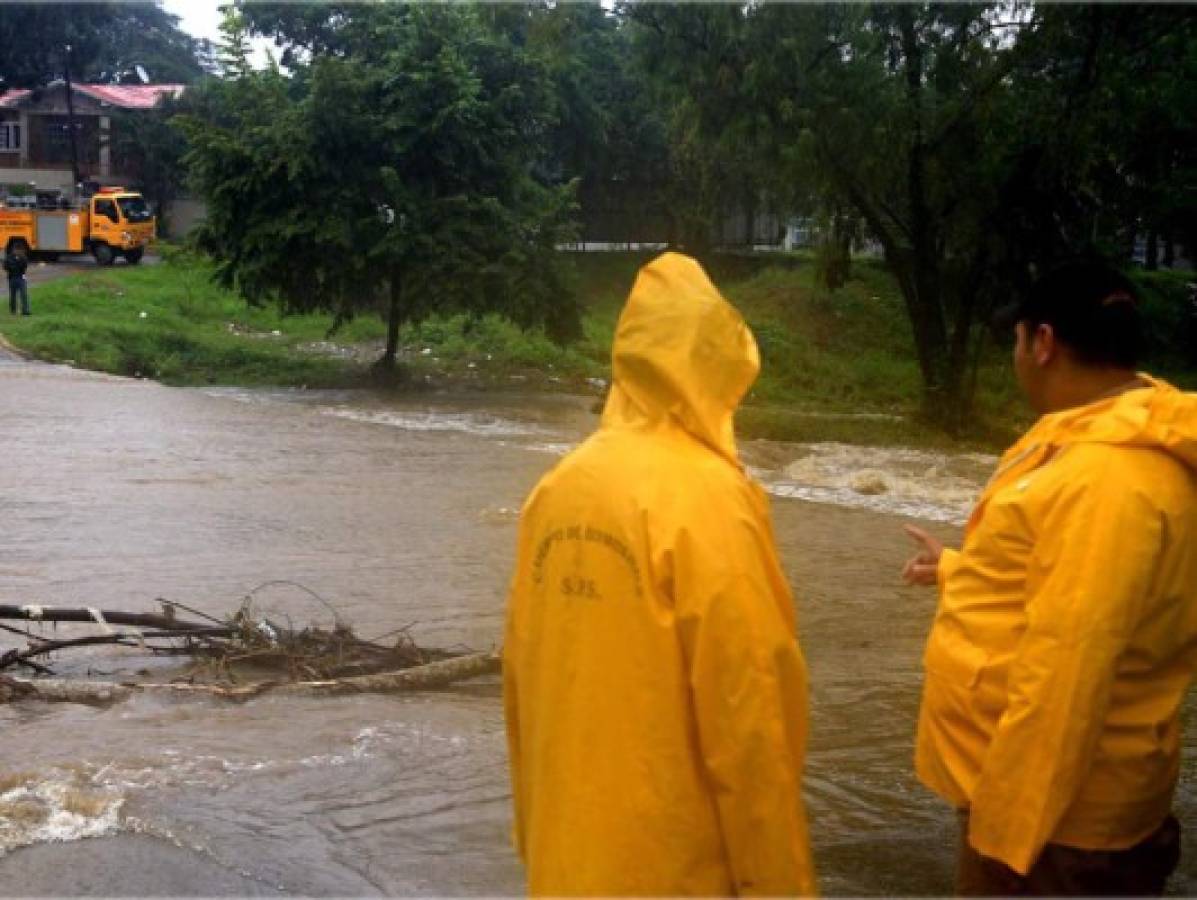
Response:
column 170, row 322
column 827, row 357
column 1164, row 296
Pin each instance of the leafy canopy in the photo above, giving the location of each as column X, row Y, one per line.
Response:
column 401, row 175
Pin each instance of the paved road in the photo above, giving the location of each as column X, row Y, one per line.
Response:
column 40, row 271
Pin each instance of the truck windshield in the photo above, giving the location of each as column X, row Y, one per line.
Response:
column 134, row 209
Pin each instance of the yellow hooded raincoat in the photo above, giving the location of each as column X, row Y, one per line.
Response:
column 654, row 689
column 1066, row 634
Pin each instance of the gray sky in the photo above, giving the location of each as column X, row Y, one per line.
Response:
column 201, row 19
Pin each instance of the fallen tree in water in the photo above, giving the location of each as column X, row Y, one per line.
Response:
column 238, row 658
column 417, row 678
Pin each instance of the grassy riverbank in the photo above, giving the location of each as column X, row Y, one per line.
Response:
column 836, row 366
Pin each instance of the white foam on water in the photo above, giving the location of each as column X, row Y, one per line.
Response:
column 245, row 395
column 900, row 481
column 389, row 737
column 465, row 423
column 499, row 515
column 928, row 511
column 55, row 808
column 893, row 480
column 553, row 448
column 179, row 768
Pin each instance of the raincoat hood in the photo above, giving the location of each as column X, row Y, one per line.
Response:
column 681, row 353
column 1156, row 416
column 654, row 691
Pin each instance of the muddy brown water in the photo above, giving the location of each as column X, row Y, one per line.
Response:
column 397, row 511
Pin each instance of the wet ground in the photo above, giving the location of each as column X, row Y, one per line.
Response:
column 41, row 270
column 398, row 511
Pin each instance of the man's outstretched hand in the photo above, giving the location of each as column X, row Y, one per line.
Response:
column 923, row 566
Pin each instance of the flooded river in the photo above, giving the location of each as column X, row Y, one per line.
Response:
column 397, row 511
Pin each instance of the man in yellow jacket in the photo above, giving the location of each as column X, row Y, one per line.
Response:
column 1066, row 632
column 654, row 688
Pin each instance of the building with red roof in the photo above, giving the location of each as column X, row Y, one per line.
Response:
column 35, row 148
column 35, row 136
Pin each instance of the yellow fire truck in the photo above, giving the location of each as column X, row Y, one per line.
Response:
column 112, row 222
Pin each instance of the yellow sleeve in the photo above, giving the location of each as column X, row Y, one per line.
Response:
column 512, row 649
column 749, row 686
column 1087, row 581
column 949, row 561
column 512, row 720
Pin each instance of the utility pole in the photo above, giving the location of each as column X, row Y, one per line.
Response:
column 75, row 177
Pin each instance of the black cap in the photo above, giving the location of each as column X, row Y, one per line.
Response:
column 1091, row 306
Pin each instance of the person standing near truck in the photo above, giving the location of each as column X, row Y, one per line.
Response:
column 15, row 265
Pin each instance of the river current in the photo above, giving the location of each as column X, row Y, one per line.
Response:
column 397, row 512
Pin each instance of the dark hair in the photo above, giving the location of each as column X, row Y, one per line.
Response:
column 1093, row 309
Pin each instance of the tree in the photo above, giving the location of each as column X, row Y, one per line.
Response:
column 609, row 132
column 398, row 177
column 1143, row 116
column 149, row 143
column 233, row 50
column 974, row 141
column 304, row 31
column 108, row 40
column 603, row 129
column 145, row 36
column 701, row 59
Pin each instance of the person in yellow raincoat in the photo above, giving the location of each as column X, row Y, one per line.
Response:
column 1066, row 632
column 655, row 693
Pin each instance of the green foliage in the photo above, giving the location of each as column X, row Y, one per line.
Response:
column 1171, row 320
column 835, row 366
column 700, row 58
column 312, row 29
column 107, row 40
column 605, row 128
column 171, row 322
column 150, row 143
column 233, row 50
column 974, row 140
column 397, row 176
column 833, row 264
column 610, row 126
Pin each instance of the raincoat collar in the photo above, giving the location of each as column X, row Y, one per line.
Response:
column 682, row 356
column 1154, row 415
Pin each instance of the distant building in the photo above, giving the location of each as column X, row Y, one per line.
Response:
column 35, row 147
column 35, row 138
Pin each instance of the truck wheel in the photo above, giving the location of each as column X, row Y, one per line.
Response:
column 134, row 255
column 104, row 254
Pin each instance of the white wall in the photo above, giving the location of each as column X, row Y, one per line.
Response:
column 184, row 214
column 48, row 179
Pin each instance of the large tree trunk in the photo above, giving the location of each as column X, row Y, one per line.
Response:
column 394, row 318
column 1153, row 250
column 845, row 228
column 749, row 218
column 35, row 613
column 964, row 360
column 101, row 693
column 920, row 291
column 921, row 287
